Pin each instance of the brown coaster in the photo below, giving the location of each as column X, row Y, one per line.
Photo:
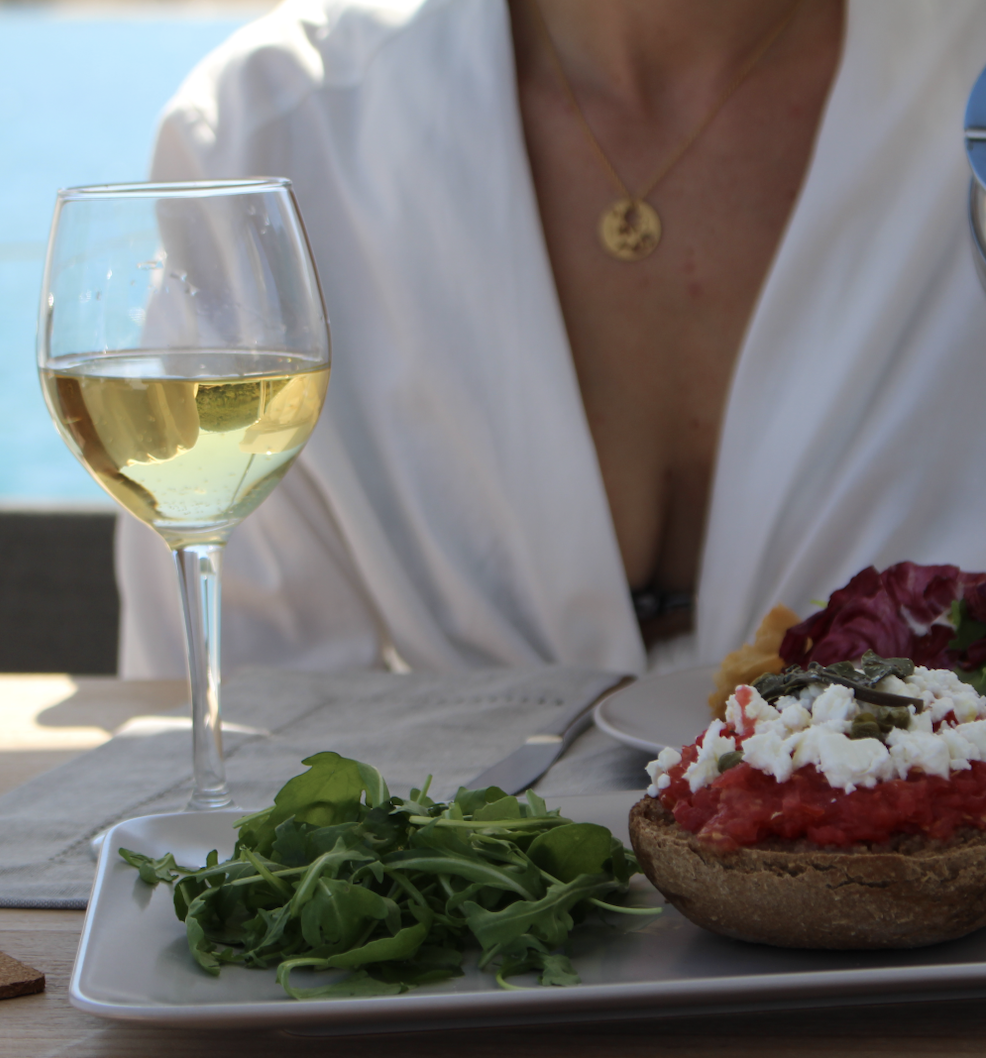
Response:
column 17, row 979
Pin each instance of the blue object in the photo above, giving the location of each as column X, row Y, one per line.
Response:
column 81, row 98
column 975, row 148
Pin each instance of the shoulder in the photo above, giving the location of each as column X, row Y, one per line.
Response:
column 270, row 67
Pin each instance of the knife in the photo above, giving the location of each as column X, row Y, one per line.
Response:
column 521, row 769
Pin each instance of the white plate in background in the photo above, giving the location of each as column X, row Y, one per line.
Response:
column 658, row 711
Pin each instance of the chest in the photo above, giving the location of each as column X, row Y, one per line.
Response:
column 654, row 341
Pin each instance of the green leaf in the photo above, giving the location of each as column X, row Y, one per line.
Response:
column 548, row 919
column 154, row 871
column 290, row 843
column 526, row 953
column 967, row 630
column 277, row 884
column 327, row 794
column 324, row 839
column 471, row 801
column 252, row 820
column 338, row 913
column 558, row 970
column 571, row 850
column 470, row 867
column 383, row 894
column 376, row 789
column 502, row 808
column 432, row 963
column 356, row 984
column 330, row 864
column 976, row 679
column 381, row 829
column 185, row 893
column 199, row 917
column 403, row 945
column 621, row 866
column 433, row 836
column 418, row 800
column 275, row 924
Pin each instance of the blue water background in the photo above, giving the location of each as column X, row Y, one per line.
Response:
column 79, row 101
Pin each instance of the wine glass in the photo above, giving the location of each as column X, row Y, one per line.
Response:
column 184, row 355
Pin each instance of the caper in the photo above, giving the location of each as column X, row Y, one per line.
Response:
column 730, row 760
column 900, row 717
column 865, row 726
column 889, row 717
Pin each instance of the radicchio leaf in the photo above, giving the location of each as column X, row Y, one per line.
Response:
column 902, row 612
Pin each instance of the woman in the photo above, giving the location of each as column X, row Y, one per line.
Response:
column 522, row 428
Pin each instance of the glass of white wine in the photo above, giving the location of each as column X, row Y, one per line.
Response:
column 184, row 354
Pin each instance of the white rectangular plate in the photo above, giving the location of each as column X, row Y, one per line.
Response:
column 133, row 962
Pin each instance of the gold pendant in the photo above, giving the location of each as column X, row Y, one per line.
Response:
column 630, row 230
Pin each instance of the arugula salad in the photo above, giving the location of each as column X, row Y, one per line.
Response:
column 339, row 875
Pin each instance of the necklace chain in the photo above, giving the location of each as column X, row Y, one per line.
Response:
column 630, row 229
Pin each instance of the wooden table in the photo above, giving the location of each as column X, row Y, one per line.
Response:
column 45, row 720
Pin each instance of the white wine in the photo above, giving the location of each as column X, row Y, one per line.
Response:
column 189, row 443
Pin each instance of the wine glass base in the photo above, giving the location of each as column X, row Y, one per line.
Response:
column 210, row 801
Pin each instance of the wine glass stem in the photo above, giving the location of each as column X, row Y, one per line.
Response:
column 199, row 571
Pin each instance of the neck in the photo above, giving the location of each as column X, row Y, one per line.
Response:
column 642, row 53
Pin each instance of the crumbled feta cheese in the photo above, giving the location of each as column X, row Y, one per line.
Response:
column 943, row 692
column 810, row 693
column 963, row 704
column 966, row 707
column 706, row 766
column 937, row 682
column 960, row 749
column 834, row 707
column 845, row 762
column 795, row 717
column 745, row 717
column 792, row 717
column 941, row 707
column 921, row 721
column 658, row 769
column 813, row 728
column 895, row 685
column 770, row 752
column 976, row 734
column 918, row 749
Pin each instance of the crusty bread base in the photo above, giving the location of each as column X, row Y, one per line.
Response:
column 815, row 898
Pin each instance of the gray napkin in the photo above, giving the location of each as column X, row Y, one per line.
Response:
column 407, row 726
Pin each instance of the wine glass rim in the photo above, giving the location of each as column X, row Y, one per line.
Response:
column 178, row 189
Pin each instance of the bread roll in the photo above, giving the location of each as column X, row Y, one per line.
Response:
column 797, row 895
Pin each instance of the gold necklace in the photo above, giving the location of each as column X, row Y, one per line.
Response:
column 630, row 228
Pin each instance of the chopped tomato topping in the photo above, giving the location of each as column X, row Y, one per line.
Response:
column 744, row 806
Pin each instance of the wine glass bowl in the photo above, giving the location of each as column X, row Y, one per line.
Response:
column 184, row 355
column 183, row 346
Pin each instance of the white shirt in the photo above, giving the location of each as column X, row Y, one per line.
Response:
column 452, row 485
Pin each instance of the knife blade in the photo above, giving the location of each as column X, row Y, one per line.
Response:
column 518, row 771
